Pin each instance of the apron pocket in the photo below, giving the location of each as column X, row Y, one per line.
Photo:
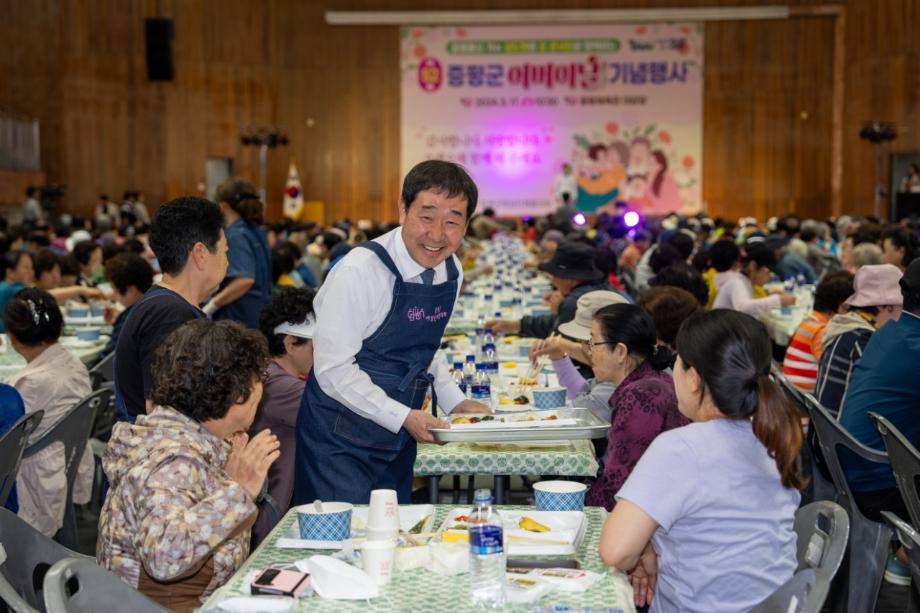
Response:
column 365, row 433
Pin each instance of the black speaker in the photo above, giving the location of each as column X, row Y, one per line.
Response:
column 158, row 34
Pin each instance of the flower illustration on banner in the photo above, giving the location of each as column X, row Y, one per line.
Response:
column 612, row 127
column 420, row 51
column 688, row 162
column 664, row 137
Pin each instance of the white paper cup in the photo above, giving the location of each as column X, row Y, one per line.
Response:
column 383, row 515
column 377, row 560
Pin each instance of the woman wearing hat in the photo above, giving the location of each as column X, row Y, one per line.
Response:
column 288, row 323
column 876, row 300
column 573, row 273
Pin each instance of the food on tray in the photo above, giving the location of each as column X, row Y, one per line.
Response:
column 505, row 399
column 417, row 528
column 525, row 381
column 464, row 419
column 532, row 525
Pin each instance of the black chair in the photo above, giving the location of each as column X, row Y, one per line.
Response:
column 818, row 486
column 103, row 373
column 73, row 432
column 869, row 540
column 81, row 586
column 29, row 555
column 12, row 443
column 805, row 592
column 910, row 539
column 823, row 530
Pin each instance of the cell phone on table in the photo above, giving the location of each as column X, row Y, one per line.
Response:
column 280, row 582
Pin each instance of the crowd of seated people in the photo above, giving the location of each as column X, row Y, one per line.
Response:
column 656, row 331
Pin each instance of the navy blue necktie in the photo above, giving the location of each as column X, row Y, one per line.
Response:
column 428, row 276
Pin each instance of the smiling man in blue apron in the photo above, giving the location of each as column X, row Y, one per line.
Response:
column 380, row 317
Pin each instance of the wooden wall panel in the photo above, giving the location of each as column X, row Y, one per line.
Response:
column 79, row 66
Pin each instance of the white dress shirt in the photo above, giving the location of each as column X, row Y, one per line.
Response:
column 734, row 291
column 350, row 306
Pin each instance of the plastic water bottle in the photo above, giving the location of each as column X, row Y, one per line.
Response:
column 489, row 359
column 457, row 375
column 488, row 338
column 482, row 386
column 487, row 553
column 469, row 372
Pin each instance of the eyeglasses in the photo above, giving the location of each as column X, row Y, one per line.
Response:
column 592, row 344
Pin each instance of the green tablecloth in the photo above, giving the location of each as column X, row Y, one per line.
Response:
column 422, row 590
column 571, row 458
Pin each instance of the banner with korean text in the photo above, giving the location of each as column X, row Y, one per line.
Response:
column 541, row 116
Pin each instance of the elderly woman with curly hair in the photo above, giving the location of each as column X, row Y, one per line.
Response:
column 176, row 520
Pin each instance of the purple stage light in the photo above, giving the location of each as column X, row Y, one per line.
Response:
column 579, row 219
column 631, row 219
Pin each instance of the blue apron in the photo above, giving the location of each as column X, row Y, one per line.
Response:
column 342, row 456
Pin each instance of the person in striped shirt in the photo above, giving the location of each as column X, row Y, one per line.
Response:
column 800, row 365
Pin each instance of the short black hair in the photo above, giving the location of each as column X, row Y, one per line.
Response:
column 127, row 269
column 33, row 317
column 683, row 243
column 69, row 265
column 289, row 304
column 442, row 177
column 724, row 255
column 181, row 223
column 685, row 277
column 30, row 191
column 760, row 254
column 205, row 367
column 39, row 238
column 83, row 251
column 832, row 291
column 45, row 261
column 11, row 260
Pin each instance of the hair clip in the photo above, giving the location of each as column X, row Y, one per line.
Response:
column 34, row 309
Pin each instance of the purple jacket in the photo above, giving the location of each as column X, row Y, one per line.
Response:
column 644, row 405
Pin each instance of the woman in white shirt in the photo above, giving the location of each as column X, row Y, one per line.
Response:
column 735, row 289
column 53, row 381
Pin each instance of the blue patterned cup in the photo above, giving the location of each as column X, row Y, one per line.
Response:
column 88, row 334
column 559, row 495
column 548, row 397
column 333, row 524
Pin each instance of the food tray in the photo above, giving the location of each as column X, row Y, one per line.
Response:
column 567, row 531
column 587, row 426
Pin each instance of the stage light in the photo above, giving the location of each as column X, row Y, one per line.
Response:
column 579, row 219
column 631, row 219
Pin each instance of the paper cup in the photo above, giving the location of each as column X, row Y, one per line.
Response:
column 559, row 495
column 88, row 334
column 377, row 560
column 333, row 524
column 548, row 397
column 383, row 515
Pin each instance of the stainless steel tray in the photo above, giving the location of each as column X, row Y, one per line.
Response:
column 588, row 427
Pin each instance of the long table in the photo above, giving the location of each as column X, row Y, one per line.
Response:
column 422, row 590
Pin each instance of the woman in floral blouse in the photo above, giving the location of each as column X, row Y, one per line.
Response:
column 175, row 524
column 625, row 351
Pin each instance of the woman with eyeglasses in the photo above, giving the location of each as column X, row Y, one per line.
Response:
column 624, row 351
column 705, row 520
column 53, row 381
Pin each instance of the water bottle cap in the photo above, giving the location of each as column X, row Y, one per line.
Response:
column 488, row 330
column 488, row 346
column 458, row 364
column 482, row 495
column 498, row 313
column 470, row 358
column 480, row 366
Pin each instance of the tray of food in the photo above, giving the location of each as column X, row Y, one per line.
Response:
column 526, row 532
column 555, row 425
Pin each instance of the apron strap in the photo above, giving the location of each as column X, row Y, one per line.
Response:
column 381, row 253
column 418, row 371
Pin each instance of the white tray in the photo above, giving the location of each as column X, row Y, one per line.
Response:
column 587, row 426
column 568, row 526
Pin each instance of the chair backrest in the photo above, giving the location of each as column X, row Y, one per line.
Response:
column 832, row 437
column 805, row 592
column 910, row 539
column 29, row 555
column 905, row 464
column 106, row 416
column 73, row 431
column 77, row 586
column 103, row 372
column 795, row 394
column 12, row 444
column 823, row 530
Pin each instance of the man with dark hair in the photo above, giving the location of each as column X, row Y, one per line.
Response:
column 380, row 317
column 131, row 276
column 188, row 240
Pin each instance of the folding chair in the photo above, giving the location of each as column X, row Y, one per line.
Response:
column 910, row 539
column 869, row 540
column 103, row 373
column 73, row 432
column 81, row 586
column 823, row 530
column 28, row 556
column 805, row 592
column 12, row 444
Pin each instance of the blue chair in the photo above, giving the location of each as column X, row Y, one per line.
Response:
column 869, row 540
